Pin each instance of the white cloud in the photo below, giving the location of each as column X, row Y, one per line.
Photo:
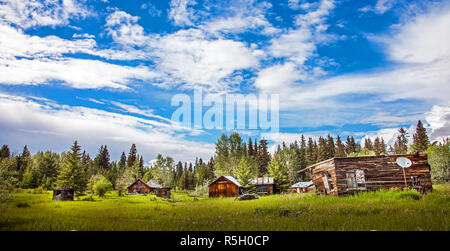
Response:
column 123, row 28
column 439, row 120
column 380, row 7
column 180, row 12
column 30, row 13
column 423, row 39
column 190, row 58
column 46, row 125
column 77, row 73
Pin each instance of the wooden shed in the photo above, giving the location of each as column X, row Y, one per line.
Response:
column 349, row 175
column 264, row 185
column 225, row 186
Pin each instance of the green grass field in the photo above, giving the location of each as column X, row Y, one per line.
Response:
column 382, row 210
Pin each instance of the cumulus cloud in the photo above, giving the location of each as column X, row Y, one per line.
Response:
column 30, row 13
column 439, row 119
column 124, row 29
column 47, row 125
column 180, row 12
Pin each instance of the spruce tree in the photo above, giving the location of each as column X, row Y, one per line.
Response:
column 420, row 138
column 400, row 145
column 310, row 155
column 73, row 174
column 244, row 174
column 4, row 152
column 340, row 148
column 278, row 170
column 123, row 161
column 141, row 166
column 322, row 150
column 262, row 158
column 330, row 147
column 132, row 155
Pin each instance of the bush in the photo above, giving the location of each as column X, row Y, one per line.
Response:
column 202, row 190
column 102, row 186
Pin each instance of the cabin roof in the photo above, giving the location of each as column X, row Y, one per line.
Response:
column 230, row 178
column 153, row 184
column 263, row 181
column 137, row 181
column 303, row 184
column 359, row 157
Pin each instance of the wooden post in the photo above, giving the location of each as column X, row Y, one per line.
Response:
column 404, row 176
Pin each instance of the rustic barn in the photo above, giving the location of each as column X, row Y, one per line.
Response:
column 63, row 194
column 302, row 187
column 164, row 192
column 349, row 175
column 225, row 186
column 140, row 187
column 264, row 185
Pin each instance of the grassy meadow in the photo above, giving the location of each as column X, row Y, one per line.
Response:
column 382, row 210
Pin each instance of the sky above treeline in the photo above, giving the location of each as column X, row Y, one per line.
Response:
column 105, row 71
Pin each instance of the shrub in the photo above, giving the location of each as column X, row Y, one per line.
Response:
column 202, row 190
column 102, row 186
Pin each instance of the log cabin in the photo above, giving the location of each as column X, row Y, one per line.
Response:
column 225, row 186
column 264, row 185
column 350, row 175
column 140, row 187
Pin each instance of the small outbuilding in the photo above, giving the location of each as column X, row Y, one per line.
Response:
column 62, row 194
column 302, row 187
column 350, row 175
column 264, row 185
column 225, row 186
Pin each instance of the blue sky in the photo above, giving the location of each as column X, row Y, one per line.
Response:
column 104, row 72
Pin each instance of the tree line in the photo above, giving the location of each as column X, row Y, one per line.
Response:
column 244, row 160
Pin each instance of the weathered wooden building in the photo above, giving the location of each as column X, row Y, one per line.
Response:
column 302, row 187
column 225, row 186
column 349, row 175
column 264, row 185
column 140, row 187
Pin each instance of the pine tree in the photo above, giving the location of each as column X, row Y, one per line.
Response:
column 123, row 161
column 23, row 161
column 322, row 150
column 4, row 152
column 141, row 166
column 73, row 174
column 368, row 144
column 400, row 145
column 278, row 170
column 377, row 146
column 102, row 159
column 310, row 152
column 340, row 148
column 262, row 158
column 420, row 138
column 132, row 155
column 331, row 148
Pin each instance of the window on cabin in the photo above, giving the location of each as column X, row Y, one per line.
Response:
column 356, row 179
column 262, row 189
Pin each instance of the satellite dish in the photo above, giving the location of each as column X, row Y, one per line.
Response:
column 403, row 162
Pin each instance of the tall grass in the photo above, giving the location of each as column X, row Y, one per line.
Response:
column 381, row 210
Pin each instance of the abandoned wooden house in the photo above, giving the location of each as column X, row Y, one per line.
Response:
column 264, row 185
column 62, row 194
column 225, row 186
column 140, row 187
column 302, row 187
column 349, row 175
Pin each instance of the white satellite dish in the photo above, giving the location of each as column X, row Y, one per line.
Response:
column 403, row 162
